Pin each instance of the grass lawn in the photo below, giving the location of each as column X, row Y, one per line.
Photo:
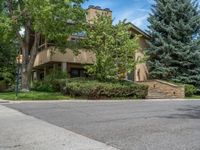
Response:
column 33, row 95
column 194, row 97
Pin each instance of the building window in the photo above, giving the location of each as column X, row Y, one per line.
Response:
column 77, row 72
column 74, row 73
column 74, row 39
column 132, row 36
column 131, row 76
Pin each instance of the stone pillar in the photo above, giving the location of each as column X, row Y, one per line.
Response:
column 34, row 76
column 64, row 66
column 37, row 75
column 126, row 76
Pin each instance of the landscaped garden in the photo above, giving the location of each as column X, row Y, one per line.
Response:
column 80, row 88
column 171, row 55
column 88, row 88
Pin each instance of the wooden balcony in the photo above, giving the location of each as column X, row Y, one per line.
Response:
column 52, row 55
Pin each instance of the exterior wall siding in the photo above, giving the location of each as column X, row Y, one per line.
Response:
column 50, row 55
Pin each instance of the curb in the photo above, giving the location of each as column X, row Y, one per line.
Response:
column 3, row 101
column 94, row 101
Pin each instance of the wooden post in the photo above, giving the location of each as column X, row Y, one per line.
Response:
column 45, row 71
column 55, row 67
column 46, row 45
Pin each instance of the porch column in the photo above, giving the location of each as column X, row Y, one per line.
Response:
column 64, row 66
column 126, row 76
column 36, row 75
column 45, row 71
column 54, row 67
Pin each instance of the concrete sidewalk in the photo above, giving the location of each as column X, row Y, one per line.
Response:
column 3, row 101
column 21, row 132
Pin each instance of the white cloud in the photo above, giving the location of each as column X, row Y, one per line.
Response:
column 150, row 1
column 143, row 10
column 140, row 21
column 138, row 17
column 125, row 14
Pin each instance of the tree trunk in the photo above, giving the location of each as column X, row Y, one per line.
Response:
column 27, row 68
column 25, row 82
column 26, row 46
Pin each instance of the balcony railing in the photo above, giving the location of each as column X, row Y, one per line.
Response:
column 54, row 55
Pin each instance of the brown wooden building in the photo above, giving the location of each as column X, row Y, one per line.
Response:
column 48, row 60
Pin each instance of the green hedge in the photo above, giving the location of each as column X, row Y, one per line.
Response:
column 48, row 86
column 190, row 90
column 3, row 85
column 51, row 83
column 92, row 89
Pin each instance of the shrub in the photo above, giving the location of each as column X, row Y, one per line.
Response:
column 92, row 89
column 3, row 85
column 190, row 90
column 51, row 83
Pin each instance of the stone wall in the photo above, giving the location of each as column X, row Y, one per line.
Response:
column 161, row 89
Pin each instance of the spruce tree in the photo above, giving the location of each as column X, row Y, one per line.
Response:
column 174, row 52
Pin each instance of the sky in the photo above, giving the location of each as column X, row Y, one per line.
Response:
column 135, row 11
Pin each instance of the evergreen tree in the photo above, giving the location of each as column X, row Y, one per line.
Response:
column 174, row 47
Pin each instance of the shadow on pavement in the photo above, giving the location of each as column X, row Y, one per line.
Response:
column 189, row 112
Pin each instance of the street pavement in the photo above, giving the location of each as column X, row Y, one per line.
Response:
column 126, row 125
column 21, row 132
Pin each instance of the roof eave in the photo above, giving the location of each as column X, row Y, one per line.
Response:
column 139, row 30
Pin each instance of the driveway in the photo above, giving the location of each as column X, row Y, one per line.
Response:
column 126, row 125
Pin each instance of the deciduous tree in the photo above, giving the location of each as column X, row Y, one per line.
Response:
column 29, row 20
column 113, row 47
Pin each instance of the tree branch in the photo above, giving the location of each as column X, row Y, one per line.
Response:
column 10, row 9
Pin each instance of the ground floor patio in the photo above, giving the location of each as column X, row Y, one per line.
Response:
column 78, row 70
column 72, row 70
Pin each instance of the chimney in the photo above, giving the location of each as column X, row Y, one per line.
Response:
column 93, row 11
column 91, row 6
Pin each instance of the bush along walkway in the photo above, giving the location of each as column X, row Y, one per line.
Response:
column 93, row 89
column 82, row 88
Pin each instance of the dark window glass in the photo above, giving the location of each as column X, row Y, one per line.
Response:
column 74, row 73
column 77, row 72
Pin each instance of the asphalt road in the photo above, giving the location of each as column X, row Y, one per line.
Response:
column 126, row 125
column 22, row 132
